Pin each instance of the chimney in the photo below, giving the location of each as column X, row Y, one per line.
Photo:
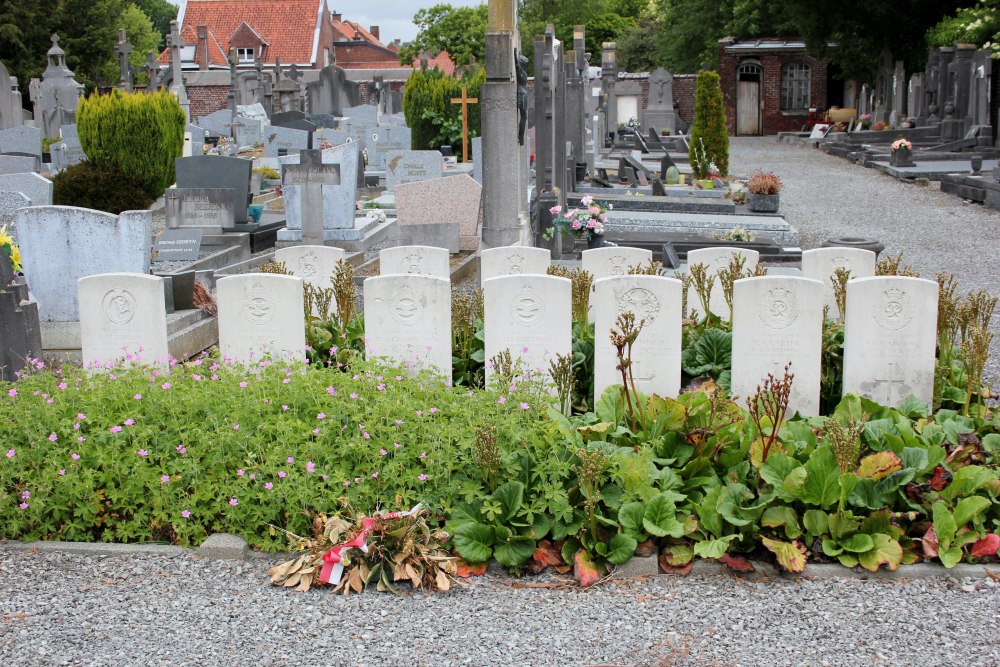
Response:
column 374, row 31
column 202, row 52
column 357, row 35
column 336, row 16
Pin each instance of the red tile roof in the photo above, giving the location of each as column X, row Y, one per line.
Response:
column 346, row 30
column 288, row 26
column 216, row 52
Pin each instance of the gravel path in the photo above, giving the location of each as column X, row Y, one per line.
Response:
column 828, row 197
column 85, row 610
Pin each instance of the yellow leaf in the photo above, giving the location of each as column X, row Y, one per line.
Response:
column 878, row 465
column 442, row 581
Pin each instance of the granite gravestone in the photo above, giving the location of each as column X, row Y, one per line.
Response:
column 55, row 99
column 513, row 261
column 23, row 139
column 821, row 264
column 531, row 316
column 415, row 260
column 215, row 172
column 182, row 244
column 123, row 316
column 408, row 321
column 613, row 261
column 305, row 186
column 778, row 320
column 656, row 355
column 261, row 314
column 289, row 140
column 385, row 140
column 18, row 164
column 9, row 203
column 476, row 144
column 441, row 212
column 37, row 189
column 20, row 333
column 332, row 93
column 890, row 333
column 11, row 114
column 410, row 166
column 207, row 209
column 717, row 259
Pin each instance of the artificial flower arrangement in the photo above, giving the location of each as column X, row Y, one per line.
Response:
column 10, row 249
column 587, row 222
column 901, row 143
column 865, row 120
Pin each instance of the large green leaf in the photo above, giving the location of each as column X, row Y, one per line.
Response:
column 789, row 556
column 660, row 518
column 474, row 542
column 968, row 508
column 944, row 524
column 777, row 468
column 668, row 414
column 611, row 406
column 966, row 481
column 711, row 354
column 708, row 512
column 858, row 543
column 621, row 548
column 822, row 485
column 515, row 552
column 713, row 548
column 780, row 516
column 630, row 519
column 950, row 557
column 510, row 496
column 816, row 522
column 885, row 551
column 734, row 508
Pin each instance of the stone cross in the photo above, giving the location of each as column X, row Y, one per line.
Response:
column 152, row 68
column 311, row 175
column 294, row 74
column 465, row 101
column 176, row 42
column 124, row 49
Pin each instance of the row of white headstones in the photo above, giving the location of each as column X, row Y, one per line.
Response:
column 890, row 322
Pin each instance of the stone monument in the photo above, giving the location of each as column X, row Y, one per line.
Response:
column 56, row 97
column 659, row 112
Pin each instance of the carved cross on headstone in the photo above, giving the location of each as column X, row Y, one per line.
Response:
column 124, row 49
column 465, row 101
column 310, row 175
column 892, row 377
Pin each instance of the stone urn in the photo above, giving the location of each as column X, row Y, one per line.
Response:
column 902, row 157
column 976, row 162
column 763, row 203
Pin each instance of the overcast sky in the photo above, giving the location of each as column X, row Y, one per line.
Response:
column 393, row 17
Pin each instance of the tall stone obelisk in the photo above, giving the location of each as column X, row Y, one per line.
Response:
column 504, row 196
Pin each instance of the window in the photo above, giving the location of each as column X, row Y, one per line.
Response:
column 246, row 55
column 794, row 86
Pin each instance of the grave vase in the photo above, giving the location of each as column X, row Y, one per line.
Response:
column 902, row 157
column 595, row 241
column 763, row 203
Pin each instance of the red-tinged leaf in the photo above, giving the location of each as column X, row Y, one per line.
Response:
column 986, row 547
column 584, row 570
column 646, row 549
column 680, row 571
column 941, row 479
column 790, row 556
column 878, row 465
column 738, row 563
column 930, row 542
column 466, row 570
column 547, row 554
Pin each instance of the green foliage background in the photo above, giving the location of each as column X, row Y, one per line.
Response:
column 428, row 108
column 709, row 126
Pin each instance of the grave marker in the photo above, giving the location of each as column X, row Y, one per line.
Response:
column 513, row 261
column 717, row 259
column 613, row 261
column 442, row 212
column 408, row 321
column 465, row 101
column 410, row 166
column 415, row 260
column 821, row 263
column 122, row 314
column 261, row 314
column 218, row 172
column 305, row 185
column 206, row 209
column 315, row 264
column 183, row 244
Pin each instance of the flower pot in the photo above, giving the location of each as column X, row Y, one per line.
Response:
column 763, row 203
column 902, row 157
column 581, row 171
column 707, row 183
column 595, row 241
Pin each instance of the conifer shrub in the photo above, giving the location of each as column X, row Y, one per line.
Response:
column 136, row 134
column 104, row 188
column 709, row 127
column 431, row 116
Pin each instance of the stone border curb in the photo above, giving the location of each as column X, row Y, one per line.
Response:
column 224, row 546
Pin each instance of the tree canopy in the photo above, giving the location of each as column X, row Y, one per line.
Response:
column 461, row 31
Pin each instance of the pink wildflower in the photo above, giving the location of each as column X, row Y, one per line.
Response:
column 53, row 437
column 186, row 514
column 234, row 502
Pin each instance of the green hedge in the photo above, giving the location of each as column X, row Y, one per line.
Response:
column 104, row 188
column 709, row 128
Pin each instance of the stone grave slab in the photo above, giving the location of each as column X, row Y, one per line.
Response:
column 332, row 137
column 122, row 315
column 36, row 188
column 513, row 261
column 305, row 186
column 408, row 321
column 61, row 244
column 323, row 120
column 218, row 172
column 218, row 123
column 531, row 316
column 20, row 332
column 208, row 209
column 18, row 164
column 422, row 206
column 717, row 259
column 778, row 320
column 9, row 203
column 66, row 153
column 291, row 140
column 197, row 139
column 411, row 166
column 367, row 113
column 315, row 264
column 613, row 261
column 820, row 264
column 890, row 336
column 21, row 139
column 261, row 314
column 656, row 355
column 282, row 118
column 182, row 244
column 415, row 260
column 381, row 141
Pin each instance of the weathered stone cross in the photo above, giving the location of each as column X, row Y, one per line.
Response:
column 465, row 101
column 124, row 49
column 311, row 175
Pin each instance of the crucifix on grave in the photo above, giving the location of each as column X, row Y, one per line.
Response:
column 123, row 48
column 892, row 376
column 465, row 101
column 308, row 178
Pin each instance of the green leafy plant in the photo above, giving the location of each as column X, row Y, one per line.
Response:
column 709, row 131
column 102, row 188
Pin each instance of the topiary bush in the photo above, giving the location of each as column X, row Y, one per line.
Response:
column 709, row 129
column 431, row 116
column 137, row 134
column 100, row 188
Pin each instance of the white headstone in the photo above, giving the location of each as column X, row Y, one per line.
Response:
column 890, row 337
column 613, row 261
column 315, row 264
column 123, row 316
column 513, row 261
column 259, row 314
column 61, row 244
column 408, row 321
column 531, row 316
column 778, row 320
column 415, row 259
column 717, row 259
column 656, row 355
column 820, row 264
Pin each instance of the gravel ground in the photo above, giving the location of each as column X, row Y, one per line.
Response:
column 84, row 610
column 827, row 197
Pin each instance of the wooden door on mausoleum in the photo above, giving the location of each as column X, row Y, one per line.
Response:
column 748, row 102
